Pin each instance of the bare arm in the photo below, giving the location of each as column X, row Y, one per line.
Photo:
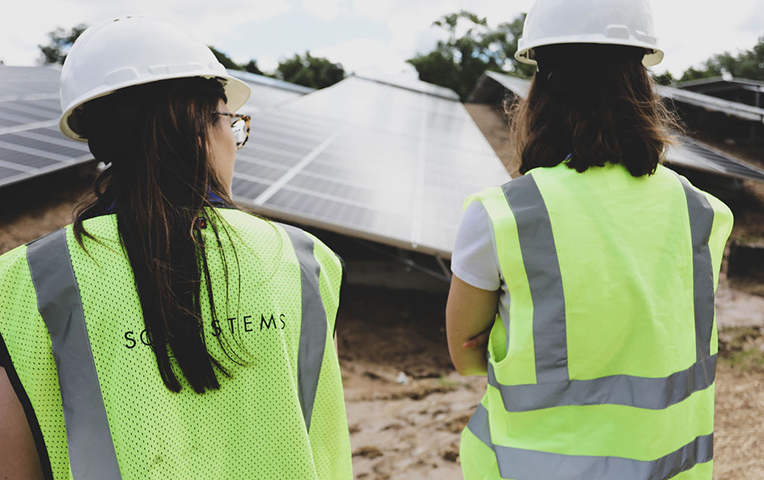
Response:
column 470, row 311
column 18, row 454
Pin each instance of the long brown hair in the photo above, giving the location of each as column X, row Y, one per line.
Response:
column 154, row 139
column 590, row 105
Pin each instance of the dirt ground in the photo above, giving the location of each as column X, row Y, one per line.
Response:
column 406, row 405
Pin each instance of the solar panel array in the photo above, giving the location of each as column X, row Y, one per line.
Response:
column 689, row 153
column 368, row 159
column 30, row 142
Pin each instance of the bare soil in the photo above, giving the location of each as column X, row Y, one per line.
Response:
column 411, row 430
column 493, row 124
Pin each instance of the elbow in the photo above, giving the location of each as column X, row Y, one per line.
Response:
column 473, row 371
column 470, row 362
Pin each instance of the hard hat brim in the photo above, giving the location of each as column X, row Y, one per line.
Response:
column 237, row 93
column 653, row 56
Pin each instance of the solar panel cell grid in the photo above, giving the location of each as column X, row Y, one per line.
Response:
column 6, row 172
column 378, row 162
column 247, row 188
column 30, row 143
column 263, row 172
column 24, row 159
column 19, row 139
column 25, row 110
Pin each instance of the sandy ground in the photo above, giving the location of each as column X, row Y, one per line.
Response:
column 406, row 405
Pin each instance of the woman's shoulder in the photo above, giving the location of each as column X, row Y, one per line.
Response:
column 12, row 259
column 265, row 231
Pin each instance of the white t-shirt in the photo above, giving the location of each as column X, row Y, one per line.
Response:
column 475, row 260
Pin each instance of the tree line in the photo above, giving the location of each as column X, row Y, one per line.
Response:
column 470, row 48
column 306, row 69
column 460, row 61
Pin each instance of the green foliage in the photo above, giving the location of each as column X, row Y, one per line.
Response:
column 229, row 63
column 252, row 67
column 664, row 79
column 742, row 348
column 60, row 43
column 310, row 71
column 225, row 59
column 748, row 64
column 307, row 70
column 459, row 62
column 508, row 34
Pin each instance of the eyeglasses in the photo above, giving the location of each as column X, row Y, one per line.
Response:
column 240, row 127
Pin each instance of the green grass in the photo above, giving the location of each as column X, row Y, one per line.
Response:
column 742, row 348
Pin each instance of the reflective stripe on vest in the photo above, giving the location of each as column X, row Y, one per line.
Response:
column 520, row 464
column 545, row 280
column 554, row 388
column 91, row 449
column 313, row 327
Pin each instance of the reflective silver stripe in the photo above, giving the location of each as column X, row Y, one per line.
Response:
column 545, row 280
column 534, row 465
column 91, row 450
column 639, row 392
column 314, row 326
column 701, row 222
column 479, row 425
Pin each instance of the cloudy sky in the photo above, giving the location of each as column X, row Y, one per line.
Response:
column 372, row 36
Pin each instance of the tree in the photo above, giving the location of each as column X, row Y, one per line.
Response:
column 229, row 63
column 459, row 62
column 225, row 59
column 310, row 71
column 508, row 35
column 747, row 64
column 252, row 67
column 60, row 43
column 665, row 79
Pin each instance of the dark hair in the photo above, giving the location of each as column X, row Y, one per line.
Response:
column 154, row 139
column 593, row 104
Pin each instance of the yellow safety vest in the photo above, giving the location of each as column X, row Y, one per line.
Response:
column 83, row 366
column 605, row 367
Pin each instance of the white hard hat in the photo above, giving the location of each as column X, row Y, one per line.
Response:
column 132, row 51
column 607, row 22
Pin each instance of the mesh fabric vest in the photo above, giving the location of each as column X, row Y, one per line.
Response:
column 604, row 368
column 82, row 363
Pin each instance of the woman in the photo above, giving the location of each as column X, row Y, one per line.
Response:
column 167, row 334
column 592, row 276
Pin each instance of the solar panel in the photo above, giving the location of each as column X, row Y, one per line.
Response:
column 707, row 102
column 267, row 92
column 742, row 90
column 30, row 143
column 370, row 159
column 688, row 153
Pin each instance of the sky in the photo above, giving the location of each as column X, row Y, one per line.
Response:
column 366, row 36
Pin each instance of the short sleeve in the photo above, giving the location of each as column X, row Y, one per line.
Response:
column 474, row 259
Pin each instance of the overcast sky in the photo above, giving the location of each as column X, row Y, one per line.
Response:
column 372, row 36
